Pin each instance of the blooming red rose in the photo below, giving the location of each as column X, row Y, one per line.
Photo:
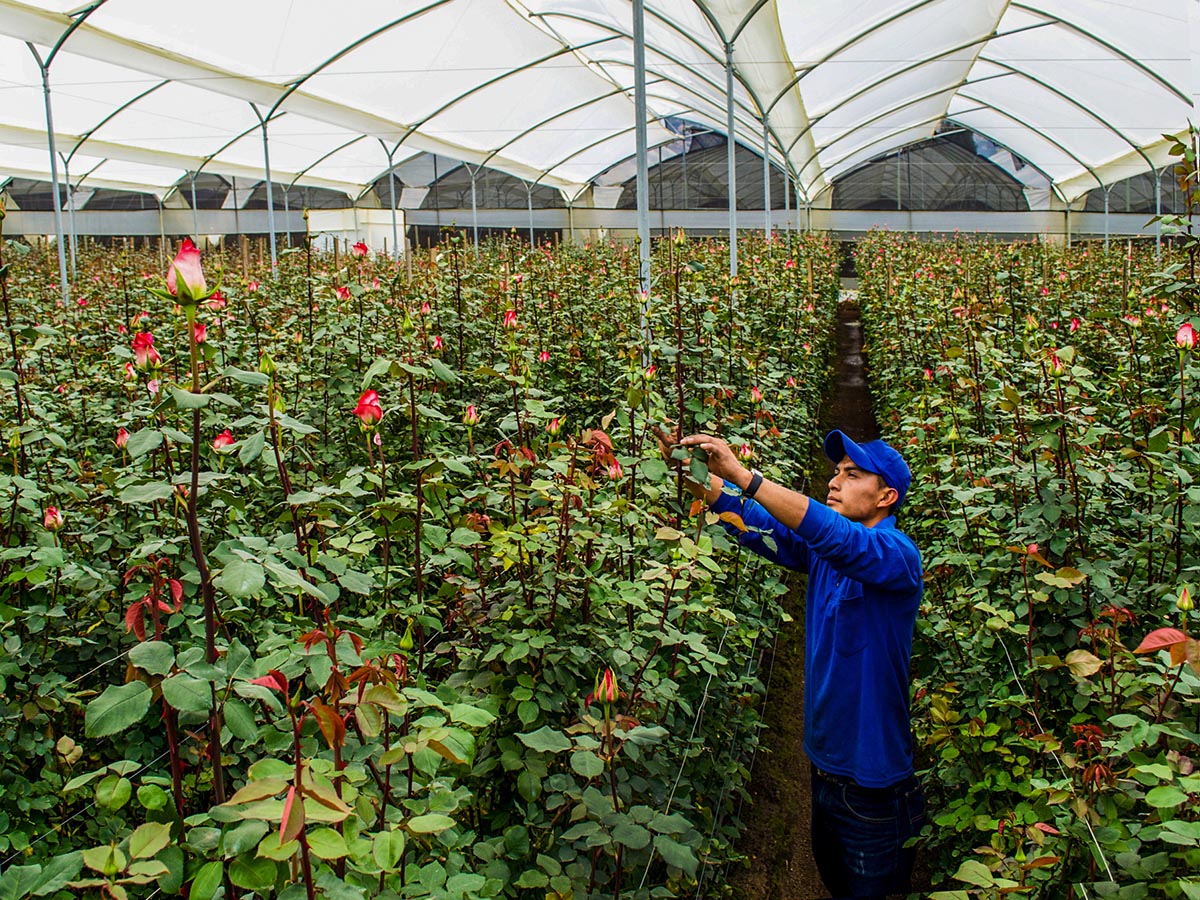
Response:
column 369, row 411
column 223, row 441
column 343, row 292
column 359, row 250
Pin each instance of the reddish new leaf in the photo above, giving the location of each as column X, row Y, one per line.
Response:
column 1161, row 639
column 177, row 593
column 135, row 620
column 1048, row 829
column 330, row 723
column 293, row 817
column 275, row 680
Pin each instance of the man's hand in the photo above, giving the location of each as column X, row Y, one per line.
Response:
column 721, row 460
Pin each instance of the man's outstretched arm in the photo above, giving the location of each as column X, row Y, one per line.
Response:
column 785, row 505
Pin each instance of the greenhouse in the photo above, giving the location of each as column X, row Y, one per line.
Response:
column 584, row 450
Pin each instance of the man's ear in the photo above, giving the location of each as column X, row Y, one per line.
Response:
column 888, row 497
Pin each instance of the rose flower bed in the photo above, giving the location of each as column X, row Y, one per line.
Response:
column 1046, row 400
column 361, row 580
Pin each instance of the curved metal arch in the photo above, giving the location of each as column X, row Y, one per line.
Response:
column 233, row 140
column 486, row 84
column 293, row 86
column 322, row 158
column 1080, row 106
column 687, row 89
column 78, row 17
column 579, row 150
column 605, row 26
column 112, row 115
column 528, row 131
column 892, row 109
column 716, row 26
column 1039, row 133
column 1112, row 48
column 885, row 137
column 904, row 71
column 882, row 23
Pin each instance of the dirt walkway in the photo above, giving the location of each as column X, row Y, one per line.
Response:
column 777, row 837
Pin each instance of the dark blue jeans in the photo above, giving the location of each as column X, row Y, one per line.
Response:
column 858, row 835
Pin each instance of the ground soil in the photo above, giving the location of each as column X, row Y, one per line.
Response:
column 777, row 842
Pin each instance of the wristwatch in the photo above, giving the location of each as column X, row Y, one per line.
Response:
column 756, row 480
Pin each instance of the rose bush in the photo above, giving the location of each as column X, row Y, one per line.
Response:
column 332, row 651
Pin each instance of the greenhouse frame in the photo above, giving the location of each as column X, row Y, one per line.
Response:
column 1071, row 98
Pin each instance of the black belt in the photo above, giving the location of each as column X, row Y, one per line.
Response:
column 845, row 781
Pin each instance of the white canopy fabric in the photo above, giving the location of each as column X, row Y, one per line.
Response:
column 145, row 92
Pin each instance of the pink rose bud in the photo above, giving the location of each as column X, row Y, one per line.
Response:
column 359, row 250
column 437, row 342
column 1184, row 603
column 252, row 287
column 756, row 395
column 369, row 411
column 185, row 278
column 1075, row 323
column 791, row 382
column 152, row 386
column 342, row 292
column 223, row 441
column 426, row 309
column 130, row 374
column 745, row 453
column 607, row 691
column 510, row 319
column 554, row 427
column 650, row 372
column 544, row 356
column 122, row 438
column 144, row 355
column 471, row 416
column 614, row 470
column 53, row 519
column 201, row 332
column 1185, row 337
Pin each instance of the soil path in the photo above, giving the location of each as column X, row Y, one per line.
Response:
column 777, row 839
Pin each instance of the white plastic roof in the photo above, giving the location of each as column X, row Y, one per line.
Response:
column 144, row 92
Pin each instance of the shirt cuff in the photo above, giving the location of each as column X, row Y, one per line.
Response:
column 729, row 501
column 817, row 520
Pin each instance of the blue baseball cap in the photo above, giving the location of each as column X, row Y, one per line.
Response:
column 879, row 457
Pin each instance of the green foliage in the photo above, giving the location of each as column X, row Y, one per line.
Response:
column 1048, row 414
column 390, row 695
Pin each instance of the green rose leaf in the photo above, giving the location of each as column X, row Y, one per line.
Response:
column 242, row 578
column 327, row 843
column 149, row 839
column 546, row 740
column 119, row 707
column 187, row 693
column 206, row 882
column 676, row 854
column 146, row 492
column 153, row 657
column 587, row 764
column 431, row 823
column 635, row 837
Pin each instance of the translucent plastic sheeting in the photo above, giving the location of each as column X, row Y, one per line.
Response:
column 542, row 89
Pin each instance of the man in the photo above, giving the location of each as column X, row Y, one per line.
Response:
column 864, row 588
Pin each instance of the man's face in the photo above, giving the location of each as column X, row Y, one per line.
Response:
column 857, row 494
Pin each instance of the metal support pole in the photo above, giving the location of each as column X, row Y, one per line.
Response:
column 195, row 215
column 70, row 215
column 529, row 203
column 58, row 218
column 392, row 202
column 287, row 212
column 732, row 187
column 766, row 179
column 1157, row 212
column 808, row 215
column 787, row 201
column 640, row 113
column 1068, row 225
column 1106, row 218
column 474, row 211
column 270, row 190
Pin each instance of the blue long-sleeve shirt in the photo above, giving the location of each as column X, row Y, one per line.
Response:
column 864, row 589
